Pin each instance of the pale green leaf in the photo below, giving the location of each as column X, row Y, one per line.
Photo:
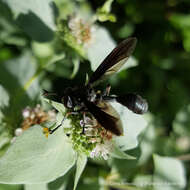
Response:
column 147, row 144
column 118, row 153
column 33, row 158
column 101, row 46
column 133, row 125
column 144, row 182
column 107, row 6
column 42, row 9
column 42, row 50
column 80, row 165
column 76, row 64
column 40, row 186
column 60, row 183
column 35, row 17
column 169, row 173
column 58, row 106
column 4, row 100
column 17, row 75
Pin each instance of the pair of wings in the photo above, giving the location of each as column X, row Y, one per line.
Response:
column 111, row 64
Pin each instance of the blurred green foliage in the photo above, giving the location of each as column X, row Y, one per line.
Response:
column 35, row 55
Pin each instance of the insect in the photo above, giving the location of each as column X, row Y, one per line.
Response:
column 85, row 98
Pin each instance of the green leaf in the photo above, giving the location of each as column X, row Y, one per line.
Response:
column 20, row 73
column 60, row 183
column 33, row 158
column 58, row 106
column 35, row 17
column 103, row 14
column 181, row 123
column 42, row 186
column 4, row 100
column 133, row 125
column 118, row 153
column 5, row 137
column 107, row 6
column 42, row 50
column 76, row 64
column 10, row 187
column 169, row 173
column 9, row 29
column 143, row 181
column 147, row 140
column 181, row 21
column 18, row 77
column 100, row 48
column 80, row 165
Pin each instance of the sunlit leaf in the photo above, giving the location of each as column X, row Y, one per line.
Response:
column 133, row 125
column 169, row 173
column 58, row 106
column 18, row 77
column 60, row 183
column 4, row 100
column 118, row 153
column 144, row 182
column 33, row 158
column 19, row 73
column 103, row 14
column 80, row 165
column 42, row 186
column 76, row 64
column 181, row 123
column 35, row 17
column 100, row 48
column 147, row 140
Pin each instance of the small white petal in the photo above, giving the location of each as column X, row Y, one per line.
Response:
column 32, row 115
column 26, row 113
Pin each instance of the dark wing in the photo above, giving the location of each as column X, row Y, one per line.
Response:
column 114, row 60
column 106, row 120
column 109, row 109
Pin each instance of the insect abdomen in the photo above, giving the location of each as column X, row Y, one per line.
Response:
column 133, row 102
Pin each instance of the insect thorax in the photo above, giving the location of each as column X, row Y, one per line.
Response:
column 74, row 97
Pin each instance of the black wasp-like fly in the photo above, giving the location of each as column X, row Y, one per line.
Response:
column 83, row 99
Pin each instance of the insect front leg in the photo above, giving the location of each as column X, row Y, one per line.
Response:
column 83, row 123
column 67, row 114
column 107, row 90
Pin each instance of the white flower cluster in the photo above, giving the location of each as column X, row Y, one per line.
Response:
column 81, row 30
column 102, row 150
column 32, row 116
column 98, row 135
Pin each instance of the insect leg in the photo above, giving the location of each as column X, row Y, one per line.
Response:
column 52, row 96
column 83, row 125
column 67, row 114
column 46, row 93
column 107, row 90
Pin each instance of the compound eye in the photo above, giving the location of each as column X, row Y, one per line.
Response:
column 68, row 102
